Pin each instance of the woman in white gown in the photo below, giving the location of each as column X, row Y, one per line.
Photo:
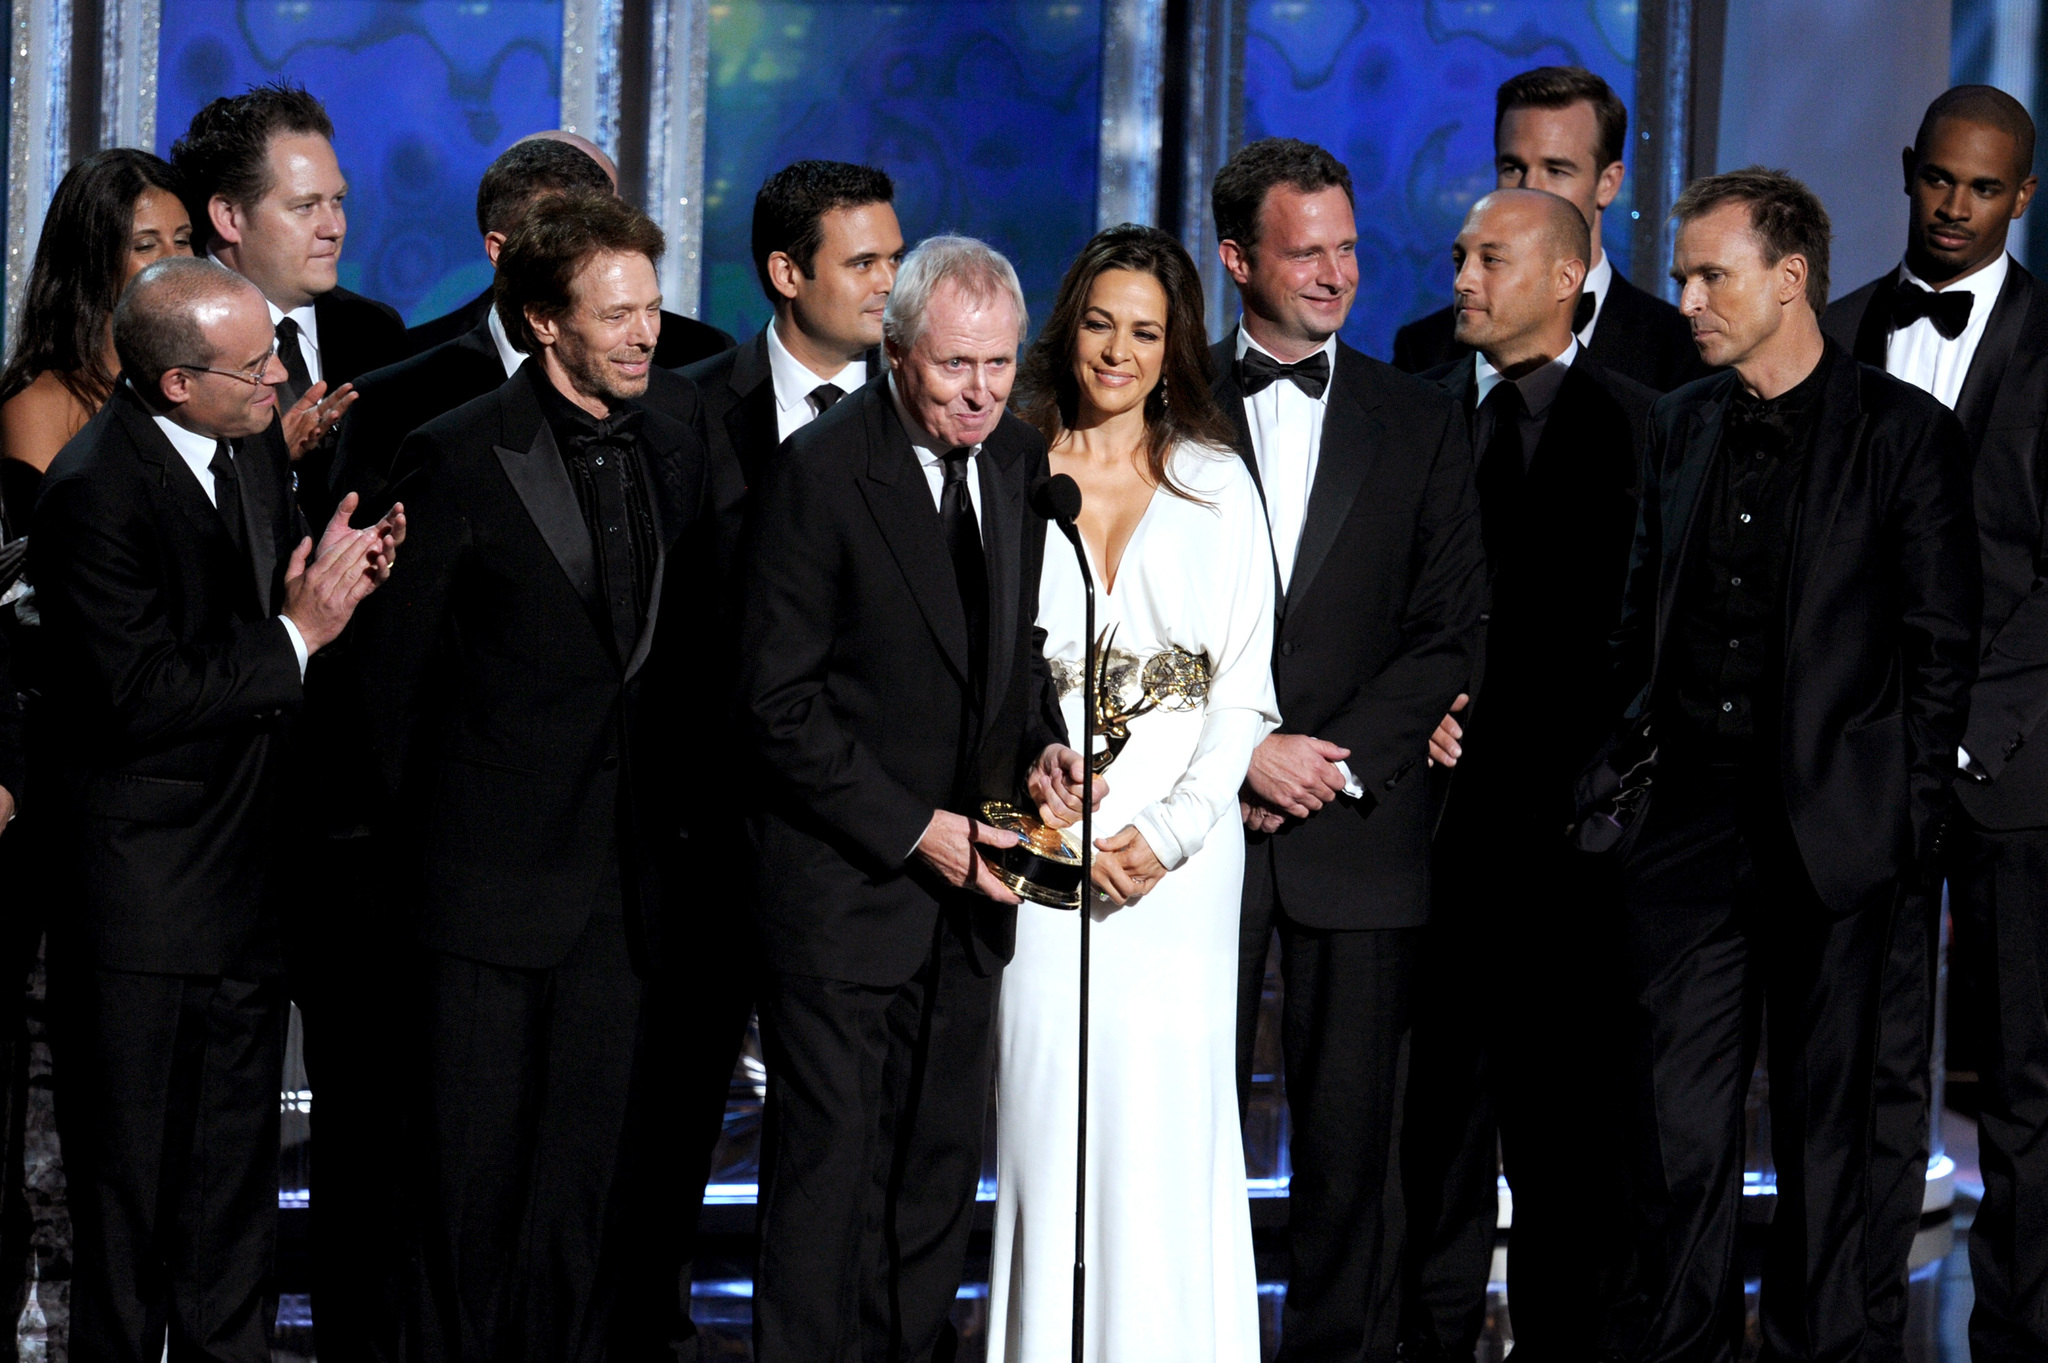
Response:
column 1183, row 567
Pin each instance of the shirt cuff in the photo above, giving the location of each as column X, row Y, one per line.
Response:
column 1351, row 786
column 298, row 642
column 1962, row 757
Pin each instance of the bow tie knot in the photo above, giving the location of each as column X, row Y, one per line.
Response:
column 1257, row 370
column 616, row 432
column 1764, row 425
column 1948, row 310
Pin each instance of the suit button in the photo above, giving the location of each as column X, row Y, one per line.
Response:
column 610, row 764
column 1287, row 650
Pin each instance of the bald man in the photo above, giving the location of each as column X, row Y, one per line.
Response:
column 683, row 340
column 1962, row 319
column 1499, row 1048
column 181, row 598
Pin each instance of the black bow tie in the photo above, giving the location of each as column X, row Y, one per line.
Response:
column 617, row 432
column 1949, row 310
column 1257, row 370
column 1767, row 426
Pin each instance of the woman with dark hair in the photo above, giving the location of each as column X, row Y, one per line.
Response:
column 113, row 213
column 1173, row 525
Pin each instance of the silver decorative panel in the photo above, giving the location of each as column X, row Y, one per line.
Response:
column 1212, row 117
column 38, row 133
column 681, row 42
column 590, row 71
column 128, row 56
column 1133, row 56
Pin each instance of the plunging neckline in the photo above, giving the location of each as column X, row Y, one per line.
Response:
column 1096, row 562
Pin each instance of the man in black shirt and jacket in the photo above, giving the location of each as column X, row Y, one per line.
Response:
column 1800, row 633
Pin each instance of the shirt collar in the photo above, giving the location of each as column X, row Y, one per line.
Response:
column 1539, row 386
column 1328, row 347
column 1984, row 284
column 921, row 443
column 192, row 447
column 308, row 320
column 567, row 419
column 509, row 355
column 796, row 381
column 1598, row 279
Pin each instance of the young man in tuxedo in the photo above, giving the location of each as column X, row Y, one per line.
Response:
column 893, row 678
column 1367, row 479
column 267, row 199
column 1561, row 129
column 521, row 719
column 684, row 340
column 179, row 608
column 1966, row 322
column 1498, row 1050
column 1799, row 633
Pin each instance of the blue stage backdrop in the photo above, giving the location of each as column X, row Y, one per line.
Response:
column 1403, row 95
column 423, row 93
column 984, row 111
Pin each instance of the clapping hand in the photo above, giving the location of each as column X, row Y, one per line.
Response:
column 314, row 415
column 323, row 586
column 1055, row 786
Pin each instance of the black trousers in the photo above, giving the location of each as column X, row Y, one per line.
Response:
column 870, row 1158
column 523, row 1113
column 1724, row 925
column 345, row 968
column 167, row 1103
column 1518, row 1060
column 1998, row 898
column 1342, row 1021
column 1901, row 1093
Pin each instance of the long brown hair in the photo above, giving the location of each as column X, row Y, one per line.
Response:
column 1180, row 407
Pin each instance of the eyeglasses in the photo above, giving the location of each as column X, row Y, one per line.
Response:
column 252, row 377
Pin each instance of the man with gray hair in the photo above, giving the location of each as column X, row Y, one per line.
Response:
column 181, row 597
column 892, row 680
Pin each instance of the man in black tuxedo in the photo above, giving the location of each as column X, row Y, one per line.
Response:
column 1963, row 320
column 1499, row 1050
column 513, row 721
column 398, row 399
column 826, row 246
column 1367, row 480
column 266, row 196
column 684, row 340
column 893, row 678
column 179, row 608
column 1561, row 129
column 1799, row 633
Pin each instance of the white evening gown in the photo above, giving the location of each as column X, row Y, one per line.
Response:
column 1170, row 1272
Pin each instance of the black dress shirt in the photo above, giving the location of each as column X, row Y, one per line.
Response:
column 1728, row 633
column 608, row 470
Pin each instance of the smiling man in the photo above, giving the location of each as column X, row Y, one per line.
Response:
column 519, row 709
column 1965, row 321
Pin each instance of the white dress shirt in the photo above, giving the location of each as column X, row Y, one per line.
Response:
column 795, row 381
column 197, row 452
column 931, row 457
column 509, row 355
column 1598, row 280
column 1928, row 360
column 1287, row 440
column 309, row 332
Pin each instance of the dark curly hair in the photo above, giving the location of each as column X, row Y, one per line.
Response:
column 790, row 209
column 81, row 265
column 542, row 255
column 226, row 148
column 1784, row 215
column 1180, row 408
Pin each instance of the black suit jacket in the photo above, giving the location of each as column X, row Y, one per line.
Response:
column 1640, row 337
column 684, row 340
column 854, row 662
column 169, row 682
column 1540, row 701
column 1881, row 611
column 2002, row 406
column 529, row 756
column 400, row 398
column 357, row 335
column 1376, row 631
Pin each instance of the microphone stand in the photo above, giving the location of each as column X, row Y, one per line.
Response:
column 1073, row 534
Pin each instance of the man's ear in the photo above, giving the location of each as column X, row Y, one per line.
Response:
column 226, row 220
column 1608, row 185
column 784, row 275
column 1907, row 163
column 1237, row 261
column 546, row 330
column 494, row 242
column 1791, row 277
column 175, row 385
column 1571, row 279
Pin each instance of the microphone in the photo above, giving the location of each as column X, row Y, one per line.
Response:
column 1057, row 498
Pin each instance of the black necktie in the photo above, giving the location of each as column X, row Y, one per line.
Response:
column 1948, row 310
column 296, row 378
column 970, row 569
column 227, row 495
column 824, row 395
column 1582, row 315
column 1258, row 370
column 1501, row 470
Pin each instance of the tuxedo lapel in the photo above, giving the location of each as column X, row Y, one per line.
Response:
column 665, row 504
column 1351, row 439
column 750, row 423
column 1230, row 396
column 261, row 495
column 1829, row 472
column 901, row 503
column 1874, row 329
column 535, row 470
column 174, row 476
column 1994, row 352
column 1679, row 503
